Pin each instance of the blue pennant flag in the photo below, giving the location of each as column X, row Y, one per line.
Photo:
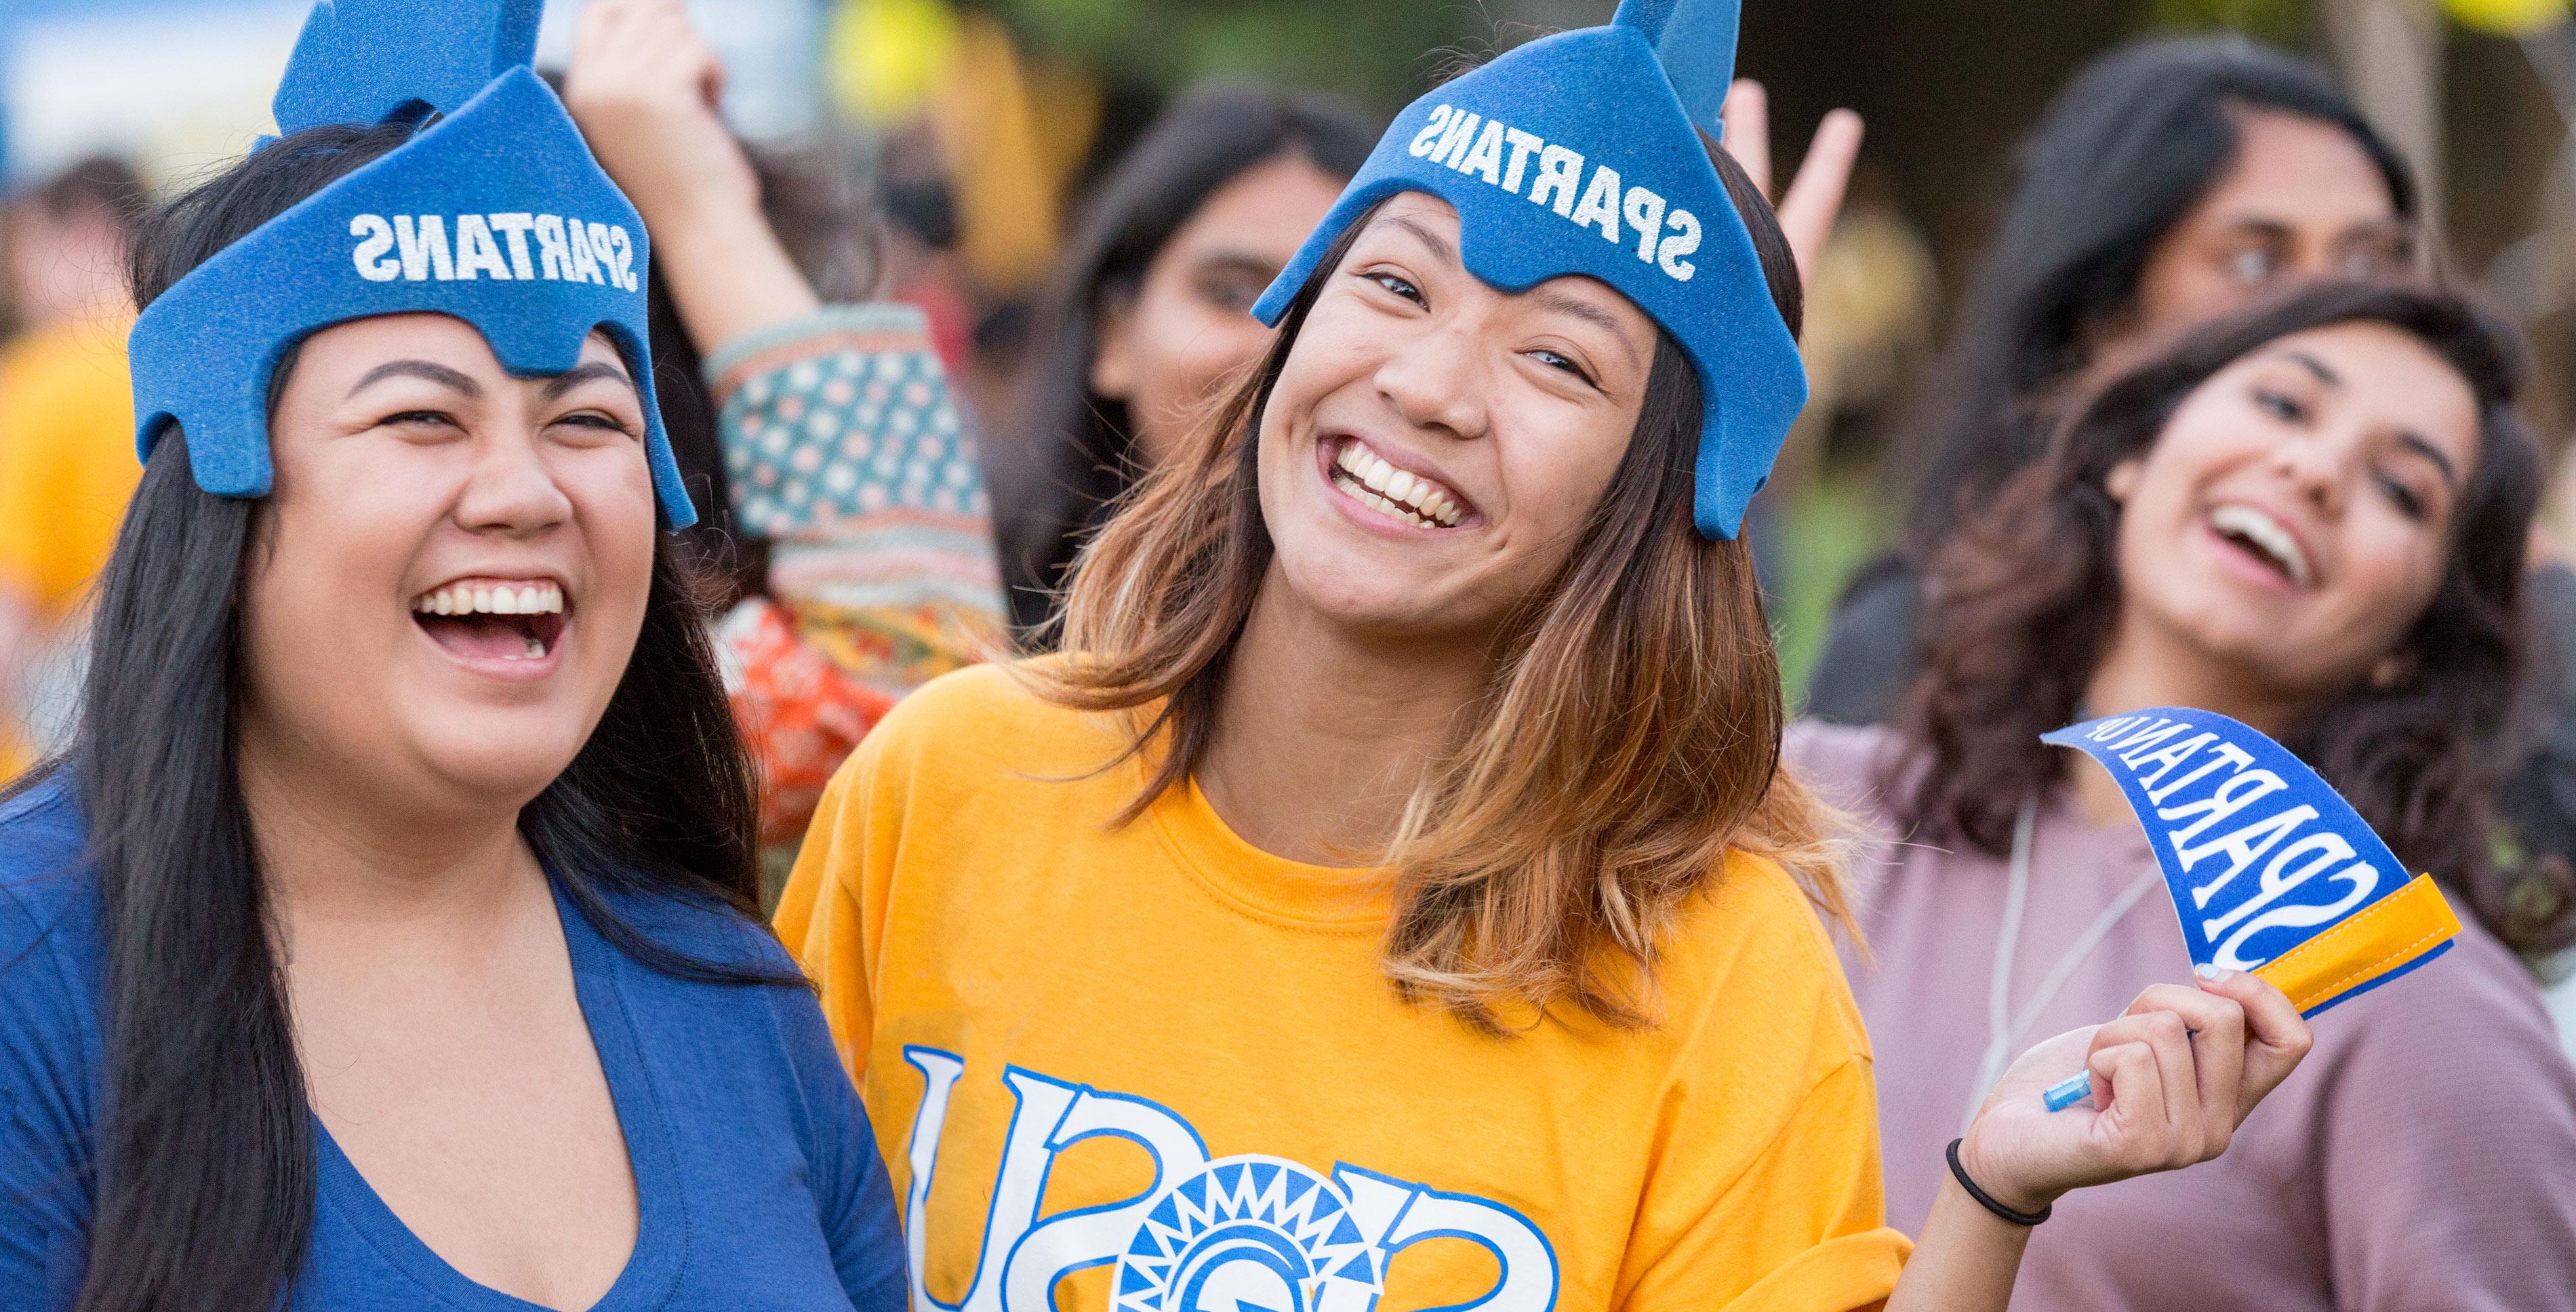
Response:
column 2270, row 869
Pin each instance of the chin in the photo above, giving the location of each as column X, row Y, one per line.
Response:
column 1352, row 588
column 2262, row 656
column 500, row 769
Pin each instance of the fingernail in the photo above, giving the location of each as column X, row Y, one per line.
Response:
column 2210, row 972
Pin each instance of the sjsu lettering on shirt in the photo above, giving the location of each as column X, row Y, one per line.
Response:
column 1501, row 154
column 1247, row 1231
column 418, row 248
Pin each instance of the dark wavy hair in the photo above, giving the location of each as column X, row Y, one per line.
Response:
column 2124, row 152
column 2021, row 603
column 1069, row 456
column 204, row 1156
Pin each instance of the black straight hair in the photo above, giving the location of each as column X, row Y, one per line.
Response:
column 204, row 1168
column 1070, row 455
column 2123, row 153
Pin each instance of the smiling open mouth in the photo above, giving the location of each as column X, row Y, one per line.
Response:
column 1400, row 495
column 2262, row 537
column 493, row 619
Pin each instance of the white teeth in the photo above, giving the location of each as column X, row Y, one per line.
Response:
column 2264, row 534
column 486, row 599
column 1400, row 493
column 536, row 649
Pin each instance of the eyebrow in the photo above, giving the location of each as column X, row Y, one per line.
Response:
column 422, row 369
column 583, row 373
column 2312, row 364
column 1244, row 260
column 1439, row 245
column 2258, row 225
column 2410, row 440
column 1591, row 314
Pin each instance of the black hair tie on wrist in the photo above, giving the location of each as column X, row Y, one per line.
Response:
column 1987, row 1200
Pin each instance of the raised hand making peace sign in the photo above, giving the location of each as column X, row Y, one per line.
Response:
column 1815, row 196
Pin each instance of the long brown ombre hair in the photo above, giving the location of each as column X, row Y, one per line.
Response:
column 2021, row 607
column 1626, row 741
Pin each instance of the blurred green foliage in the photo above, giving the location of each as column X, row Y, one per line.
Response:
column 2283, row 22
column 1376, row 52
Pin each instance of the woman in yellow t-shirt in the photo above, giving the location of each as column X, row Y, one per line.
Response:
column 1392, row 900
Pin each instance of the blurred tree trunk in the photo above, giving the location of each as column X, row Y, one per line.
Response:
column 2391, row 57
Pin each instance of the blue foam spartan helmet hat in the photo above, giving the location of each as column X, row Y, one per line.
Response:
column 494, row 212
column 1580, row 153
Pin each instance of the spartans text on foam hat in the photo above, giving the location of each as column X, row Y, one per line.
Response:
column 417, row 247
column 1501, row 155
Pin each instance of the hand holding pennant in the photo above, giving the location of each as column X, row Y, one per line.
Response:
column 2271, row 871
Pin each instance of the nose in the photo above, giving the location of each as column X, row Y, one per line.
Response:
column 510, row 490
column 1434, row 380
column 2317, row 467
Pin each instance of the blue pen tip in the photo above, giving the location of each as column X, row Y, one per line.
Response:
column 2068, row 1092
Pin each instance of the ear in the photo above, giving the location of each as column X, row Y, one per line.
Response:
column 2391, row 670
column 1113, row 358
column 2122, row 482
column 1695, row 42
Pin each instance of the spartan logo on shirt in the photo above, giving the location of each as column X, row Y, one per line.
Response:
column 565, row 248
column 1236, row 1234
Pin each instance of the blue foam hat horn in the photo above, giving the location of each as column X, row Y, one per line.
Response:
column 494, row 212
column 1581, row 153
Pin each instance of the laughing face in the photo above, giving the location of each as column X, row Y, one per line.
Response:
column 448, row 579
column 2295, row 516
column 1433, row 447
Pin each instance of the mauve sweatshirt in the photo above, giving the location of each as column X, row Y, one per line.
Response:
column 2422, row 1158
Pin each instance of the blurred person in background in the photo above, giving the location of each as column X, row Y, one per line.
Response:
column 1149, row 314
column 838, row 477
column 2173, row 181
column 2308, row 517
column 66, row 432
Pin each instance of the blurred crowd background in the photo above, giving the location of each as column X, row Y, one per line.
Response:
column 972, row 132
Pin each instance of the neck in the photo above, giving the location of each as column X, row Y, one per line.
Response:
column 2140, row 669
column 1322, row 733
column 338, row 861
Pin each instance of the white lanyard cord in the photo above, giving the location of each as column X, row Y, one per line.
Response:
column 2004, row 1034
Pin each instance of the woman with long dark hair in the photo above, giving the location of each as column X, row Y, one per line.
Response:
column 1149, row 315
column 2172, row 181
column 385, row 939
column 1395, row 865
column 2308, row 517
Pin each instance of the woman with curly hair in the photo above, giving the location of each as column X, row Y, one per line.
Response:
column 2308, row 517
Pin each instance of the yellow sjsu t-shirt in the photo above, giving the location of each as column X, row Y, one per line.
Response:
column 1151, row 1068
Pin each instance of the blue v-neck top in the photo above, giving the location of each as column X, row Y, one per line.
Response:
column 756, row 1178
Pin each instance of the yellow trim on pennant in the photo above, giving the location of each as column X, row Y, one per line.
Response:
column 2378, row 939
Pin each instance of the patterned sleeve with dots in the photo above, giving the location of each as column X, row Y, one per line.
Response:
column 844, row 447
